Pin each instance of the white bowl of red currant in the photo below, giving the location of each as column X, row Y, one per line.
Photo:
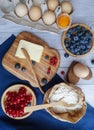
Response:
column 78, row 40
column 14, row 100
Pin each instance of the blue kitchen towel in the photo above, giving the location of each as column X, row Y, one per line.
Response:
column 39, row 120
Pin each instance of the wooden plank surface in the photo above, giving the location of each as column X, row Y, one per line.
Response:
column 40, row 68
column 83, row 13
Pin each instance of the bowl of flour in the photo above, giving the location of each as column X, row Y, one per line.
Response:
column 69, row 94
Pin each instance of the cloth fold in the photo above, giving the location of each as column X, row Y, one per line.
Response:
column 39, row 120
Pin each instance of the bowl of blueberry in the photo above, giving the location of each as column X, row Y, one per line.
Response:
column 15, row 99
column 78, row 40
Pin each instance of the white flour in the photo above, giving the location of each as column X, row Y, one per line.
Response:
column 67, row 95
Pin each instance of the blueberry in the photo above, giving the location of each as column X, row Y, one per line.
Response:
column 44, row 81
column 66, row 55
column 33, row 62
column 66, row 41
column 74, row 30
column 76, row 38
column 72, row 51
column 67, row 45
column 17, row 66
column 80, row 34
column 23, row 69
column 78, row 48
column 85, row 51
column 89, row 41
column 82, row 41
column 78, row 27
column 90, row 38
column 86, row 41
column 78, row 53
column 83, row 29
column 68, row 48
column 46, row 57
column 88, row 34
column 92, row 61
column 74, row 46
column 89, row 46
column 68, row 35
column 77, row 43
column 83, row 47
column 81, row 52
column 82, row 37
column 72, row 41
column 71, row 47
column 71, row 31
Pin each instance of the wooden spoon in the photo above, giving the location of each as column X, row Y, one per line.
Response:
column 32, row 70
column 44, row 106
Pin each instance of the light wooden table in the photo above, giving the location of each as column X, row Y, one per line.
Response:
column 83, row 13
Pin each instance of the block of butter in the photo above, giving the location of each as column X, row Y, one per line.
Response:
column 34, row 50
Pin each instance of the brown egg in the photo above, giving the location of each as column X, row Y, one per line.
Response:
column 66, row 7
column 52, row 4
column 49, row 17
column 81, row 70
column 35, row 13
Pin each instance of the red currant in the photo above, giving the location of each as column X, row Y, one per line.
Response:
column 62, row 72
column 15, row 102
column 53, row 61
column 22, row 89
column 48, row 70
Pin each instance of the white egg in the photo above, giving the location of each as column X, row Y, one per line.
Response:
column 52, row 4
column 35, row 13
column 21, row 10
column 49, row 17
column 66, row 7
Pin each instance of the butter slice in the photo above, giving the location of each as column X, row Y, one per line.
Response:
column 35, row 51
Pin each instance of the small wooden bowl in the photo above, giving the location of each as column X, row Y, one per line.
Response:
column 64, row 37
column 72, row 116
column 15, row 88
column 59, row 18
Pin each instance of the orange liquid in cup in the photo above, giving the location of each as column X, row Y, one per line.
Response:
column 63, row 21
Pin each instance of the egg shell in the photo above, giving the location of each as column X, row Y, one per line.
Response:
column 63, row 21
column 66, row 7
column 52, row 4
column 81, row 70
column 49, row 17
column 35, row 13
column 21, row 10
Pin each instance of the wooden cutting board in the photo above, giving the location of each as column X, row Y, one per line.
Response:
column 41, row 68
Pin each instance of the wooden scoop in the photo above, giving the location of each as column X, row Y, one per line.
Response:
column 32, row 70
column 44, row 106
